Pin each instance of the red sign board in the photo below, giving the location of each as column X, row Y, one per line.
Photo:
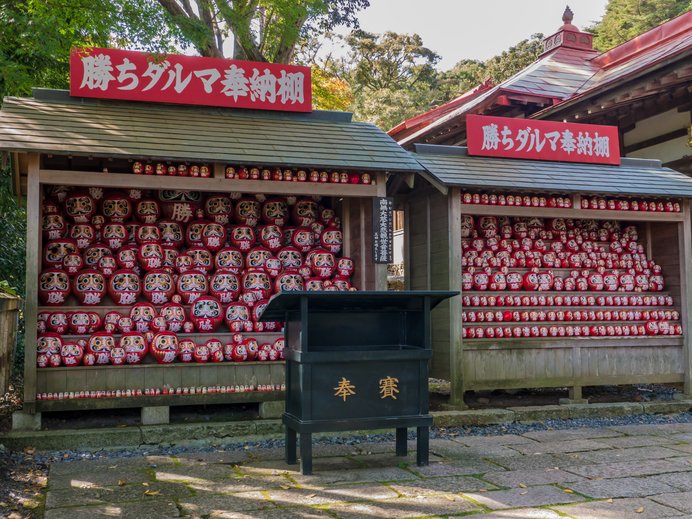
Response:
column 542, row 140
column 138, row 76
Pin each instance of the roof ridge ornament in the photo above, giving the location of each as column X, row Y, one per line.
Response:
column 567, row 16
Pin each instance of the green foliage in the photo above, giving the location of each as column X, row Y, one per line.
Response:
column 625, row 19
column 12, row 236
column 35, row 45
column 515, row 59
column 263, row 30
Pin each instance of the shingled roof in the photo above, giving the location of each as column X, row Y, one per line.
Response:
column 452, row 166
column 52, row 122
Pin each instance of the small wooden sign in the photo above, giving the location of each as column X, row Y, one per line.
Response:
column 383, row 230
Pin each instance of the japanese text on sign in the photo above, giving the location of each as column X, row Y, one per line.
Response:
column 542, row 140
column 135, row 76
column 382, row 230
column 389, row 387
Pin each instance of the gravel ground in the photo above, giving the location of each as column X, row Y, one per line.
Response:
column 23, row 474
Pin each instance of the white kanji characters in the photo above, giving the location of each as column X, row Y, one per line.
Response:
column 601, row 145
column 553, row 137
column 208, row 77
column 235, row 84
column 155, row 71
column 177, row 78
column 584, row 144
column 567, row 142
column 491, row 137
column 291, row 86
column 507, row 141
column 523, row 138
column 536, row 141
column 263, row 86
column 126, row 69
column 97, row 71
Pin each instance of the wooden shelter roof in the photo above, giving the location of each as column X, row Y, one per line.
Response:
column 452, row 166
column 52, row 122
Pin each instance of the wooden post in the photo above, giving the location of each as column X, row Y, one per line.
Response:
column 456, row 352
column 33, row 251
column 685, row 241
column 407, row 246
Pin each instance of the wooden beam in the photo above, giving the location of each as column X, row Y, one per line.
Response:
column 575, row 212
column 456, row 367
column 685, row 247
column 681, row 132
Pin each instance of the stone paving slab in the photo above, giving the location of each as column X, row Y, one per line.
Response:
column 118, row 494
column 583, row 433
column 562, row 446
column 539, row 461
column 484, row 441
column 406, row 507
column 339, row 494
column 627, row 469
column 222, row 505
column 153, row 509
column 678, row 480
column 629, row 442
column 620, row 487
column 453, row 468
column 627, row 508
column 364, row 475
column 636, row 453
column 453, row 449
column 681, row 501
column 682, row 447
column 521, row 513
column 453, row 485
column 523, row 497
column 106, row 478
column 515, row 478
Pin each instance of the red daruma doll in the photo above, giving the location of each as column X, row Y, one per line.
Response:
column 71, row 354
column 224, row 285
column 135, row 347
column 192, row 285
column 47, row 345
column 247, row 212
column 100, row 345
column 158, row 287
column 230, row 259
column 206, row 314
column 164, row 347
column 323, row 264
column 238, row 317
column 142, row 315
column 124, row 287
column 174, row 314
column 53, row 287
column 89, row 287
column 258, row 283
column 275, row 212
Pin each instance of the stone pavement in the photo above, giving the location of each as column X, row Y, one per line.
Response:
column 630, row 471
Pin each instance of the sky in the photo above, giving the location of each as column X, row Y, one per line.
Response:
column 459, row 29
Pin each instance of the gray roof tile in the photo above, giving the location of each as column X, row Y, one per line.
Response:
column 61, row 125
column 451, row 166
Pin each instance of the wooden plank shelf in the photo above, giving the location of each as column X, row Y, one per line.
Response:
column 221, row 335
column 75, row 404
column 151, row 363
column 572, row 342
column 211, row 184
column 573, row 212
